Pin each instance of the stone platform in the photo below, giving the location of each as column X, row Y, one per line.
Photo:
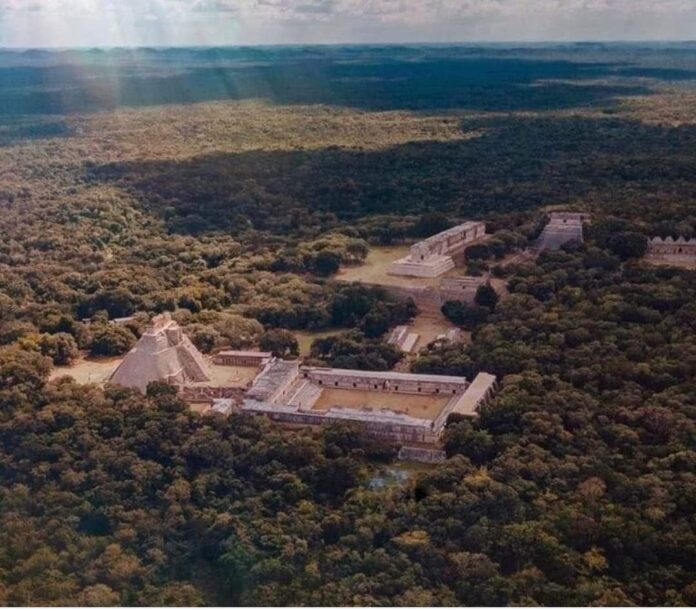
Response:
column 431, row 268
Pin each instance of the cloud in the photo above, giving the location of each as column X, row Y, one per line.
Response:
column 215, row 6
column 393, row 8
column 268, row 21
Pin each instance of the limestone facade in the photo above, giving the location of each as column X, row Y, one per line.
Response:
column 292, row 400
column 403, row 339
column 681, row 247
column 240, row 358
column 563, row 227
column 461, row 288
column 274, row 383
column 389, row 381
column 162, row 354
column 432, row 257
column 576, row 217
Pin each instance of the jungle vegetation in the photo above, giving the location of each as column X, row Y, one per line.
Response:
column 233, row 209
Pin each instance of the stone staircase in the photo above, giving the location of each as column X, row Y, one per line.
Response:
column 305, row 396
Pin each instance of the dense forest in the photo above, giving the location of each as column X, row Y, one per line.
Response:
column 234, row 209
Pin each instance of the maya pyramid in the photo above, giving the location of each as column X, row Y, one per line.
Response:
column 162, row 354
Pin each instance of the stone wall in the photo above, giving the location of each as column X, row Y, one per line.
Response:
column 233, row 358
column 424, row 455
column 275, row 383
column 408, row 430
column 203, row 394
column 389, row 381
column 563, row 227
column 461, row 288
column 448, row 242
column 579, row 217
column 680, row 247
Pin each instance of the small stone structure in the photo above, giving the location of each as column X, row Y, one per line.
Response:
column 429, row 299
column 461, row 288
column 669, row 247
column 273, row 384
column 432, row 257
column 402, row 338
column 242, row 358
column 424, row 455
column 162, row 354
column 454, row 335
column 563, row 227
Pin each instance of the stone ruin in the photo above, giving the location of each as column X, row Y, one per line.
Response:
column 681, row 248
column 162, row 354
column 287, row 393
column 563, row 227
column 403, row 338
column 433, row 256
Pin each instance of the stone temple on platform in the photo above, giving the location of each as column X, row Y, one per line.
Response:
column 433, row 256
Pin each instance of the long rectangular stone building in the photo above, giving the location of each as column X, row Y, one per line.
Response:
column 669, row 247
column 432, row 257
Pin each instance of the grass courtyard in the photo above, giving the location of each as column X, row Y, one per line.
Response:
column 427, row 407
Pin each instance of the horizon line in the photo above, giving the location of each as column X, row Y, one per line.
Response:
column 453, row 43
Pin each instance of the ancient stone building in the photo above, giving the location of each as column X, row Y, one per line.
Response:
column 162, row 354
column 461, row 288
column 563, row 227
column 293, row 395
column 274, row 383
column 403, row 339
column 399, row 407
column 433, row 256
column 242, row 358
column 669, row 247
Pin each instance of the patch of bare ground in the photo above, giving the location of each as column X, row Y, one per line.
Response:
column 430, row 326
column 683, row 262
column 224, row 376
column 375, row 269
column 88, row 370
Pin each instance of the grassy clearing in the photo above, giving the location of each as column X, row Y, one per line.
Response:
column 418, row 406
column 88, row 370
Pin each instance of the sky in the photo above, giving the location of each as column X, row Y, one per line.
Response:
column 79, row 23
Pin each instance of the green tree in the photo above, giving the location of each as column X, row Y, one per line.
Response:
column 283, row 344
column 486, row 296
column 60, row 347
column 465, row 315
column 327, row 262
column 111, row 340
column 628, row 244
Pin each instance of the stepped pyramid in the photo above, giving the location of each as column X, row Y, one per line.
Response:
column 162, row 354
